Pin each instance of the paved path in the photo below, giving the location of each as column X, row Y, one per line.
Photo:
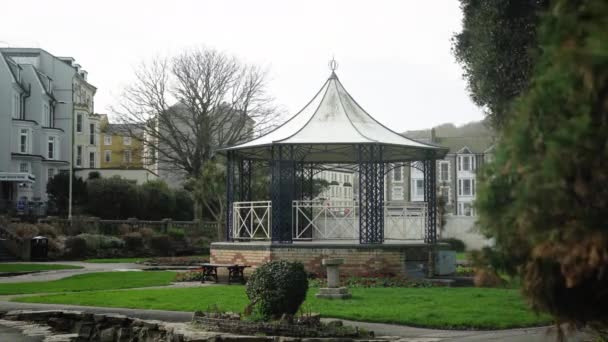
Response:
column 59, row 274
column 406, row 333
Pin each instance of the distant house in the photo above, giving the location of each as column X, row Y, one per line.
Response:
column 456, row 173
column 121, row 150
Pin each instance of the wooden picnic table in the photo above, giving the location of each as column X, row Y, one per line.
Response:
column 235, row 272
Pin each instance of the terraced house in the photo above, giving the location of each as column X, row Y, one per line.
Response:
column 40, row 95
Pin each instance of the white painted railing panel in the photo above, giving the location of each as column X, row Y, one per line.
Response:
column 252, row 220
column 404, row 221
column 325, row 220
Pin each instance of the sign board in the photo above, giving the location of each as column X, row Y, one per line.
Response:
column 17, row 177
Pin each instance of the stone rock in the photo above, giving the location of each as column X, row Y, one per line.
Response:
column 107, row 335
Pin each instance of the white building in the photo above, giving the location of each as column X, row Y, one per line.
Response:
column 38, row 101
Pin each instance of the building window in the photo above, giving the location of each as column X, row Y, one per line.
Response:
column 79, row 155
column 23, row 140
column 444, row 171
column 92, row 160
column 127, row 156
column 79, row 123
column 466, row 209
column 107, row 140
column 397, row 193
column 46, row 111
column 444, row 192
column 92, row 134
column 126, row 141
column 418, row 185
column 398, row 174
column 51, row 148
column 50, row 173
column 347, row 179
column 466, row 187
column 16, row 106
column 466, row 163
column 24, row 167
column 107, row 156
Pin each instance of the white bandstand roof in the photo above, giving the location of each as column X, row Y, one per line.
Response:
column 329, row 128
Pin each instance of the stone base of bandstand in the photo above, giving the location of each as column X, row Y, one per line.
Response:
column 408, row 259
column 333, row 293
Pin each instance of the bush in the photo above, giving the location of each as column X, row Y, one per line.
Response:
column 277, row 288
column 133, row 241
column 176, row 234
column 76, row 247
column 190, row 276
column 24, row 230
column 97, row 241
column 47, row 230
column 147, row 233
column 157, row 201
column 160, row 244
column 112, row 198
column 455, row 244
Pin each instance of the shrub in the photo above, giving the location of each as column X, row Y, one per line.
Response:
column 455, row 244
column 124, row 229
column 277, row 288
column 133, row 241
column 486, row 277
column 24, row 230
column 160, row 244
column 176, row 233
column 189, row 276
column 97, row 241
column 112, row 198
column 47, row 230
column 76, row 247
column 147, row 233
column 157, row 201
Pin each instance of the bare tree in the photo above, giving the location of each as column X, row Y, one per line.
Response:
column 193, row 103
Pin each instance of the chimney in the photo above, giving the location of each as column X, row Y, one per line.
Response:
column 433, row 137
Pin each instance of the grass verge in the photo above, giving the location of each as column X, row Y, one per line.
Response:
column 453, row 308
column 11, row 268
column 90, row 282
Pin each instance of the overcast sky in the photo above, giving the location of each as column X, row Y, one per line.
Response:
column 394, row 56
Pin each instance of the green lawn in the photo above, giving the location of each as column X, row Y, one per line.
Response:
column 34, row 267
column 115, row 260
column 91, row 281
column 430, row 307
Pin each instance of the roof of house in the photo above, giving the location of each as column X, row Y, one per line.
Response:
column 476, row 144
column 123, row 129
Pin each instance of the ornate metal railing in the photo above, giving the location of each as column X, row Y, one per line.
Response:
column 322, row 219
column 328, row 220
column 252, row 220
column 404, row 221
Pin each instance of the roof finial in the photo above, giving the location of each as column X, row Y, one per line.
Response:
column 333, row 65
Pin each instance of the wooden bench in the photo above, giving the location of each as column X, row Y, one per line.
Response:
column 235, row 272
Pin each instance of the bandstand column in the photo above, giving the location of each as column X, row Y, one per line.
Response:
column 371, row 194
column 282, row 192
column 230, row 181
column 430, row 197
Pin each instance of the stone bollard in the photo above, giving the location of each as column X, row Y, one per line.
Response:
column 333, row 289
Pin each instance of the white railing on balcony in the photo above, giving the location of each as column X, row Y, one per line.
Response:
column 322, row 219
column 328, row 220
column 404, row 221
column 252, row 220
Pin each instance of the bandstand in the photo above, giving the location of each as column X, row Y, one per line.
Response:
column 374, row 236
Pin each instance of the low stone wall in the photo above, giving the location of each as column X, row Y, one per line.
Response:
column 359, row 260
column 81, row 326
